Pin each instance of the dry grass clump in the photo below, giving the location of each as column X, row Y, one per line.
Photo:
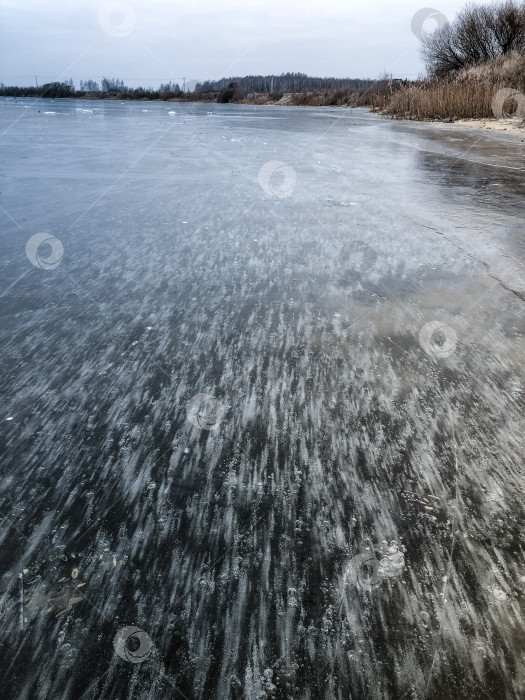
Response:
column 508, row 69
column 327, row 98
column 443, row 100
column 306, row 98
column 467, row 95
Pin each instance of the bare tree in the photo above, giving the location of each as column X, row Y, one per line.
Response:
column 478, row 34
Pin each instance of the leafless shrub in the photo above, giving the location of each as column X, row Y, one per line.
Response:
column 478, row 34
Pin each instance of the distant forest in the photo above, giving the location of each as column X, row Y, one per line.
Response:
column 233, row 89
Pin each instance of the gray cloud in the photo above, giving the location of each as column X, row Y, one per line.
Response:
column 203, row 39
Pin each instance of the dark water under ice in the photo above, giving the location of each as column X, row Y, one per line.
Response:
column 262, row 419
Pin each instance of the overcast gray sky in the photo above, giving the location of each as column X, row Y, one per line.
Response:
column 146, row 42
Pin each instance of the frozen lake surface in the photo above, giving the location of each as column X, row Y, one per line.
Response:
column 262, row 419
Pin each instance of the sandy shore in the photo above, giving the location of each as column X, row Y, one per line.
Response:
column 512, row 125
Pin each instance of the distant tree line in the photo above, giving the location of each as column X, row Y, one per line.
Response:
column 65, row 89
column 287, row 82
column 224, row 90
column 107, row 88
